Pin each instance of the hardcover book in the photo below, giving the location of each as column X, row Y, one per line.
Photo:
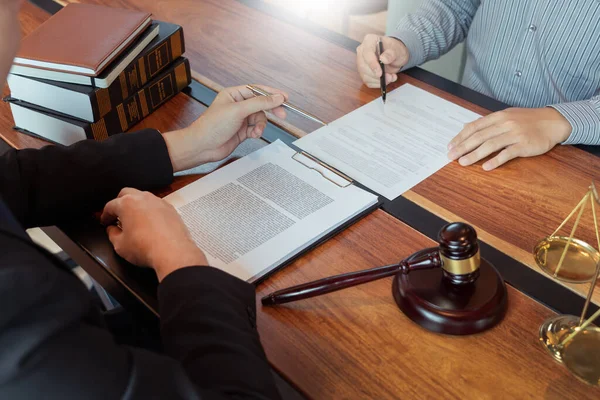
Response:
column 82, row 38
column 89, row 103
column 60, row 128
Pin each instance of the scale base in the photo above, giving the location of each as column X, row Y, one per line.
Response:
column 581, row 356
column 429, row 298
column 554, row 330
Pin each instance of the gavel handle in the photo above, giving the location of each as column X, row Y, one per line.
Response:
column 328, row 285
column 424, row 259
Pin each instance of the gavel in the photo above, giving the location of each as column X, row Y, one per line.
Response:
column 457, row 256
column 448, row 289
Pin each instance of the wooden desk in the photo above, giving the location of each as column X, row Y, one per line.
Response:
column 355, row 343
column 229, row 43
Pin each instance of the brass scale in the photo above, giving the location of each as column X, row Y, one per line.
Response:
column 571, row 340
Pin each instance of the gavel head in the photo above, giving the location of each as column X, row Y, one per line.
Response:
column 455, row 291
column 459, row 253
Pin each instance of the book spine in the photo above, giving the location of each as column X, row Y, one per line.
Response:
column 145, row 68
column 143, row 102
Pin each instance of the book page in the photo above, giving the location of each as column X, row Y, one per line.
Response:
column 257, row 212
column 390, row 148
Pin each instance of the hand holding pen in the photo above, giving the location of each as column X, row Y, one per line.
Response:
column 394, row 57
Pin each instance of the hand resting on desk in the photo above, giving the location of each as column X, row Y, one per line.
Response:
column 208, row 318
column 152, row 233
column 515, row 132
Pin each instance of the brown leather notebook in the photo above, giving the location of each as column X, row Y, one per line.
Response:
column 82, row 38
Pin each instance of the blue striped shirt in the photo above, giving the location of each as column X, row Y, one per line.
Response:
column 526, row 53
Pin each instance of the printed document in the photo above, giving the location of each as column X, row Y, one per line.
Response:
column 254, row 214
column 390, row 148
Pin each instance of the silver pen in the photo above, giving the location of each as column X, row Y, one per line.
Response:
column 260, row 92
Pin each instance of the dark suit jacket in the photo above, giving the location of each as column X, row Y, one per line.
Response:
column 53, row 343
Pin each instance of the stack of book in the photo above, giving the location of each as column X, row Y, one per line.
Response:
column 90, row 72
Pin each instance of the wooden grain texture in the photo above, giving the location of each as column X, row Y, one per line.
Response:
column 516, row 252
column 230, row 44
column 357, row 344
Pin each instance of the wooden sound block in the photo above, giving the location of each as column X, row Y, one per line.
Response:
column 431, row 300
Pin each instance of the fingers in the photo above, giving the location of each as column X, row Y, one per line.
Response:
column 476, row 140
column 114, row 235
column 241, row 93
column 126, row 191
column 368, row 64
column 395, row 54
column 268, row 89
column 256, row 125
column 279, row 112
column 388, row 56
column 475, row 126
column 514, row 132
column 113, row 208
column 503, row 157
column 370, row 80
column 376, row 83
column 111, row 211
column 490, row 146
column 390, row 78
column 260, row 103
column 367, row 56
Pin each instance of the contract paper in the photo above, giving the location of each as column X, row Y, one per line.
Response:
column 254, row 214
column 390, row 148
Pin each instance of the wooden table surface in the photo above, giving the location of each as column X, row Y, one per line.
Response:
column 356, row 343
column 512, row 208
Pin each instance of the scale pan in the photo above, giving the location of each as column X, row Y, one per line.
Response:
column 579, row 265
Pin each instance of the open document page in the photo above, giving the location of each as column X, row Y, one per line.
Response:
column 259, row 211
column 390, row 148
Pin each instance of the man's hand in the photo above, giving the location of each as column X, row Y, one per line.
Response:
column 234, row 116
column 152, row 233
column 395, row 56
column 515, row 132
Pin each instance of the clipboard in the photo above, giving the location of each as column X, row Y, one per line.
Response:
column 341, row 180
column 317, row 243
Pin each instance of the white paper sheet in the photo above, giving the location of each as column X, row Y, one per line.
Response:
column 391, row 148
column 255, row 213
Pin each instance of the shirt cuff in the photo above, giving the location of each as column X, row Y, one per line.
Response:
column 412, row 41
column 584, row 119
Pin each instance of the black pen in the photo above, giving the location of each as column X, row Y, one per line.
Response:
column 382, row 79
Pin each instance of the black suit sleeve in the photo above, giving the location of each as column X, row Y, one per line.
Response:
column 53, row 344
column 205, row 299
column 52, row 340
column 46, row 186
